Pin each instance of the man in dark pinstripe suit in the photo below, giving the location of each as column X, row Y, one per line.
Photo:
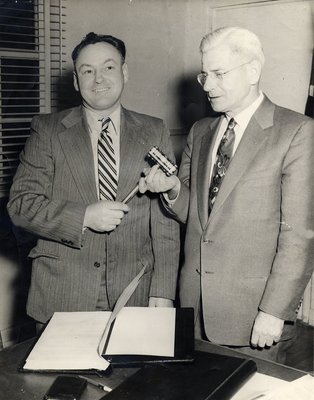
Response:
column 88, row 249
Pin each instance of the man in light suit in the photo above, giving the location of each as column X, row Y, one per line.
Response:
column 90, row 246
column 249, row 215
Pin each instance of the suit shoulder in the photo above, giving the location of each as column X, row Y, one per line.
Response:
column 54, row 116
column 202, row 126
column 53, row 123
column 204, row 122
column 143, row 118
column 291, row 118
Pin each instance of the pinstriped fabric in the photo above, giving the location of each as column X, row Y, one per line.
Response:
column 107, row 168
column 65, row 262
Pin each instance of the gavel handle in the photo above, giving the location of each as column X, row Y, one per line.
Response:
column 130, row 195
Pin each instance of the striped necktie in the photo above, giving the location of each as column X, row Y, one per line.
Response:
column 107, row 168
column 223, row 158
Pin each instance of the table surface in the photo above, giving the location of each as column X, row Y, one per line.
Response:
column 15, row 385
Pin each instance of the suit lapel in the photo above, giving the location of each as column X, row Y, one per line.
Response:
column 251, row 142
column 76, row 145
column 204, row 163
column 132, row 149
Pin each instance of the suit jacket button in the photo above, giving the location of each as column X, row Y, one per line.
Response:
column 96, row 264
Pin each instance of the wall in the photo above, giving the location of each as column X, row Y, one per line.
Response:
column 162, row 39
column 286, row 29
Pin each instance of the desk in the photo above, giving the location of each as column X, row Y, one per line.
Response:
column 32, row 386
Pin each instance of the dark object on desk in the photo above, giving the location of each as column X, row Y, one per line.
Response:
column 211, row 376
column 183, row 346
column 66, row 388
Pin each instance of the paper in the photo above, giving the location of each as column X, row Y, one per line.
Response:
column 299, row 389
column 264, row 387
column 257, row 385
column 71, row 339
column 141, row 331
column 121, row 302
column 70, row 342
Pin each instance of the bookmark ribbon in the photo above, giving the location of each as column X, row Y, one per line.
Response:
column 121, row 302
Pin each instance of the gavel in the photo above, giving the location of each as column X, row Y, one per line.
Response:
column 157, row 157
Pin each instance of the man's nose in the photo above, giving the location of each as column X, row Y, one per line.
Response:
column 210, row 83
column 99, row 76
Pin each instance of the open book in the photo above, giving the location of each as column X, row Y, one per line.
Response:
column 72, row 340
column 91, row 340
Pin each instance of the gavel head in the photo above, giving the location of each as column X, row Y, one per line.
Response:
column 158, row 157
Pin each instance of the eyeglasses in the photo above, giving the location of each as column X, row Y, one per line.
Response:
column 216, row 75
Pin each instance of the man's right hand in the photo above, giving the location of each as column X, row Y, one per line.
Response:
column 105, row 215
column 157, row 181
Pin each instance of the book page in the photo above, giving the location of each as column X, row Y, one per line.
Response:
column 143, row 331
column 70, row 341
column 121, row 302
column 257, row 386
column 299, row 389
column 264, row 387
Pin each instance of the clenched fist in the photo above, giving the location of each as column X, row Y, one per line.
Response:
column 105, row 215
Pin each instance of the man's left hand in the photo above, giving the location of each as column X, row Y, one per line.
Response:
column 267, row 329
column 160, row 302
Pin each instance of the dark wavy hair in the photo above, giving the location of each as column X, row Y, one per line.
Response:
column 92, row 38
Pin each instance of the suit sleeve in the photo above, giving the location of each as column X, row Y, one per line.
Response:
column 179, row 209
column 165, row 240
column 293, row 263
column 32, row 205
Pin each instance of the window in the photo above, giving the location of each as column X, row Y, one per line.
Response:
column 31, row 64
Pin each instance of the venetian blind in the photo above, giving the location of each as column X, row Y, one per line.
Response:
column 32, row 50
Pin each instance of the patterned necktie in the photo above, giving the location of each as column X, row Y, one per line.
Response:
column 107, row 168
column 223, row 157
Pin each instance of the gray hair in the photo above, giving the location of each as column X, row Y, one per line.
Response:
column 240, row 41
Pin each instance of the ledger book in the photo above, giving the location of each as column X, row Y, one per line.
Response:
column 76, row 341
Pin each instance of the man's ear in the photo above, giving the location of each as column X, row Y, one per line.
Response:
column 125, row 72
column 75, row 82
column 255, row 70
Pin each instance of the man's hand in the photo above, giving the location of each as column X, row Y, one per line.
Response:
column 160, row 302
column 157, row 181
column 105, row 215
column 267, row 329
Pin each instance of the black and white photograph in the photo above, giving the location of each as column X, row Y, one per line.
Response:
column 157, row 199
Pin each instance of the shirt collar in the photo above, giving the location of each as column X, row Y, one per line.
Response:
column 93, row 118
column 242, row 119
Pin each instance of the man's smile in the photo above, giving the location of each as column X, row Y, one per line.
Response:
column 100, row 90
